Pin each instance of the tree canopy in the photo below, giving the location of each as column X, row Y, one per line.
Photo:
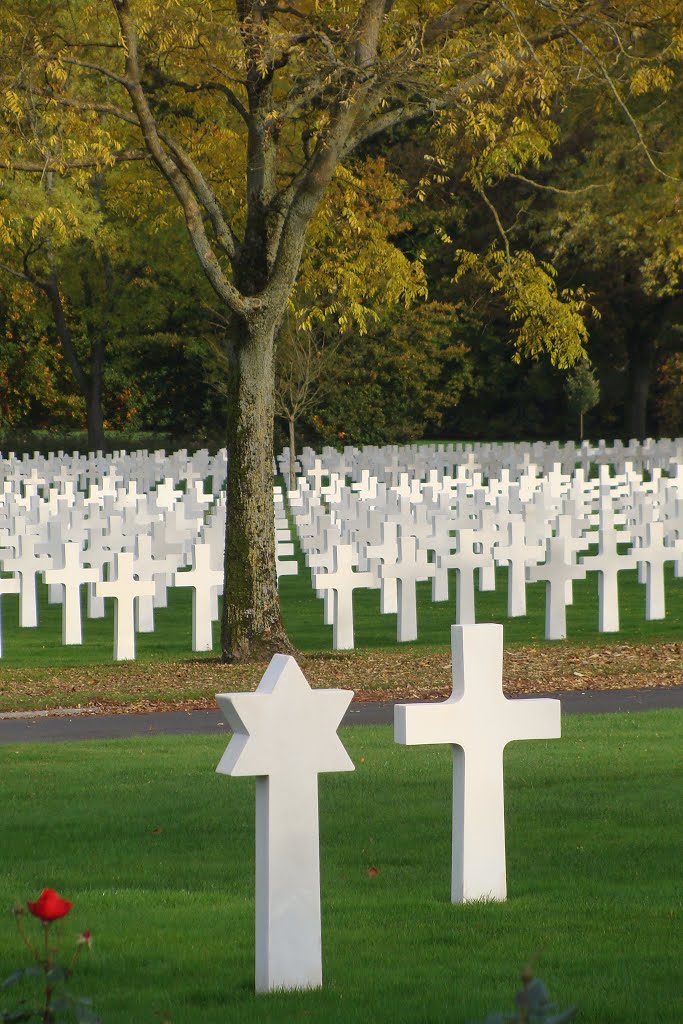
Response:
column 250, row 113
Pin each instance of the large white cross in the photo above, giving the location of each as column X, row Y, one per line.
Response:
column 26, row 565
column 285, row 734
column 478, row 721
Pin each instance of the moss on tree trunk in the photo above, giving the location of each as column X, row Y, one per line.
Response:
column 251, row 623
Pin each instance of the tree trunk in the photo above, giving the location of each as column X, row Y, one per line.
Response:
column 89, row 384
column 95, row 420
column 251, row 624
column 93, row 398
column 641, row 352
column 292, row 454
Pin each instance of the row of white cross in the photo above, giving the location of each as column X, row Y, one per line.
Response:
column 121, row 542
column 493, row 461
column 375, row 533
column 122, row 527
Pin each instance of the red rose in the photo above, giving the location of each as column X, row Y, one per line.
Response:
column 50, row 906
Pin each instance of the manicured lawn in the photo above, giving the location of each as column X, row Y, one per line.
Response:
column 156, row 851
column 42, row 646
column 303, row 614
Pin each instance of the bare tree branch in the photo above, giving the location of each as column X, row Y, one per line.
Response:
column 233, row 98
column 554, row 188
column 53, row 164
column 182, row 179
column 17, row 273
column 499, row 224
column 98, row 68
column 618, row 97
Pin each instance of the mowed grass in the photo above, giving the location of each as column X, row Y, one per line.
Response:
column 156, row 851
column 304, row 620
column 304, row 614
column 41, row 647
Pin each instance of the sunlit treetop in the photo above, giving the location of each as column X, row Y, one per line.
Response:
column 249, row 108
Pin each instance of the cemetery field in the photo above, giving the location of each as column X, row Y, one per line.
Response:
column 37, row 671
column 156, row 852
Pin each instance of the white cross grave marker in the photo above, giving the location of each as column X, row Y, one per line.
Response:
column 317, row 474
column 465, row 560
column 440, row 543
column 167, row 494
column 26, row 565
column 147, row 568
column 387, row 553
column 608, row 563
column 203, row 580
column 124, row 589
column 654, row 554
column 571, row 530
column 342, row 580
column 478, row 721
column 556, row 570
column 411, row 566
column 517, row 553
column 70, row 578
column 285, row 735
column 488, row 533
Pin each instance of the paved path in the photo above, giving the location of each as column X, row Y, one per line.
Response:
column 53, row 728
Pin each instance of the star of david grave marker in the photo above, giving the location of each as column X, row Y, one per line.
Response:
column 285, row 735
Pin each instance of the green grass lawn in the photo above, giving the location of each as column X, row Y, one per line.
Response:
column 303, row 613
column 156, row 851
column 42, row 647
column 303, row 616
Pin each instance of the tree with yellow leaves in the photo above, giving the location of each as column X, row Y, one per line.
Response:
column 248, row 111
